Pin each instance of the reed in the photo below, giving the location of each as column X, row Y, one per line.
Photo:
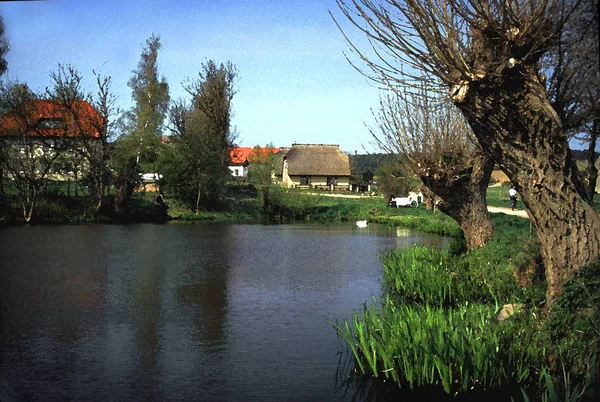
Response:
column 435, row 277
column 457, row 349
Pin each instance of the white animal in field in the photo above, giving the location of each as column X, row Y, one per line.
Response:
column 411, row 201
column 361, row 224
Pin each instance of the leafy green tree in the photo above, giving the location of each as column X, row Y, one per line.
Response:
column 138, row 149
column 396, row 178
column 261, row 165
column 204, row 137
column 4, row 47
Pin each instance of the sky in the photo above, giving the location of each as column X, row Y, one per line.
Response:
column 295, row 84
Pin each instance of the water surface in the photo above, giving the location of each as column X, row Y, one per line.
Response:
column 212, row 312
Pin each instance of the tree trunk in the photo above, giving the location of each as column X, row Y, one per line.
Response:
column 428, row 198
column 2, row 189
column 592, row 170
column 198, row 200
column 464, row 199
column 124, row 189
column 513, row 120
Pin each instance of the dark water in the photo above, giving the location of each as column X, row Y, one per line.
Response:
column 182, row 312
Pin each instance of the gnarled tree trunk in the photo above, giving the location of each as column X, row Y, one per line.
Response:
column 464, row 199
column 592, row 169
column 513, row 119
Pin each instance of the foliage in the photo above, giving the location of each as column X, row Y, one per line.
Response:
column 420, row 219
column 457, row 349
column 4, row 47
column 573, row 323
column 197, row 170
column 396, row 179
column 486, row 57
column 285, row 206
column 261, row 165
column 485, row 275
column 137, row 149
column 29, row 157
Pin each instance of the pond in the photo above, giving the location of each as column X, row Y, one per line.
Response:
column 183, row 312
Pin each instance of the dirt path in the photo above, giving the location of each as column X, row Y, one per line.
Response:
column 340, row 195
column 502, row 210
column 508, row 211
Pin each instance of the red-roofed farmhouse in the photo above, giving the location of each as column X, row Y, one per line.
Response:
column 240, row 157
column 46, row 118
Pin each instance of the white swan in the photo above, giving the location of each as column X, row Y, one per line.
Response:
column 361, row 224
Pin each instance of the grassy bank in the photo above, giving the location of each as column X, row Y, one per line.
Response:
column 497, row 196
column 242, row 202
column 442, row 329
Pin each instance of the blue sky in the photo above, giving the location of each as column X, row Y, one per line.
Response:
column 294, row 85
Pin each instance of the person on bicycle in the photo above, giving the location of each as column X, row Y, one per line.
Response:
column 512, row 194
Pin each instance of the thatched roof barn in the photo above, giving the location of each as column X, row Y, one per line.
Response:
column 315, row 165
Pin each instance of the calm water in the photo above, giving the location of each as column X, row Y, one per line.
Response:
column 182, row 312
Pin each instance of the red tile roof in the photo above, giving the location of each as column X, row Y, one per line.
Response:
column 239, row 155
column 46, row 118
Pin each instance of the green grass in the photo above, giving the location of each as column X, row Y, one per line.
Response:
column 485, row 275
column 457, row 349
column 437, row 327
column 497, row 196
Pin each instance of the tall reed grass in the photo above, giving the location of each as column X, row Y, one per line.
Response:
column 459, row 349
column 435, row 277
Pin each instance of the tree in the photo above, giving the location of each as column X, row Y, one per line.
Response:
column 98, row 154
column 486, row 57
column 437, row 145
column 395, row 178
column 4, row 47
column 29, row 151
column 573, row 71
column 261, row 165
column 3, row 67
column 89, row 156
column 202, row 149
column 138, row 148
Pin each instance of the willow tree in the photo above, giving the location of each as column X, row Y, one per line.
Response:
column 437, row 144
column 574, row 80
column 485, row 55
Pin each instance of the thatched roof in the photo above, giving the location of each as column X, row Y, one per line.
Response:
column 317, row 160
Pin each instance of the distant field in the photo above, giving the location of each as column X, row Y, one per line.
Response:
column 499, row 177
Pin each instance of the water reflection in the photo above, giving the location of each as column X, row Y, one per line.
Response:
column 181, row 312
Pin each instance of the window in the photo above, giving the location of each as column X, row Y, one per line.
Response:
column 304, row 181
column 331, row 181
column 50, row 123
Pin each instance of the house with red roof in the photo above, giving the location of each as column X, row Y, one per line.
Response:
column 52, row 130
column 240, row 157
column 52, row 119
